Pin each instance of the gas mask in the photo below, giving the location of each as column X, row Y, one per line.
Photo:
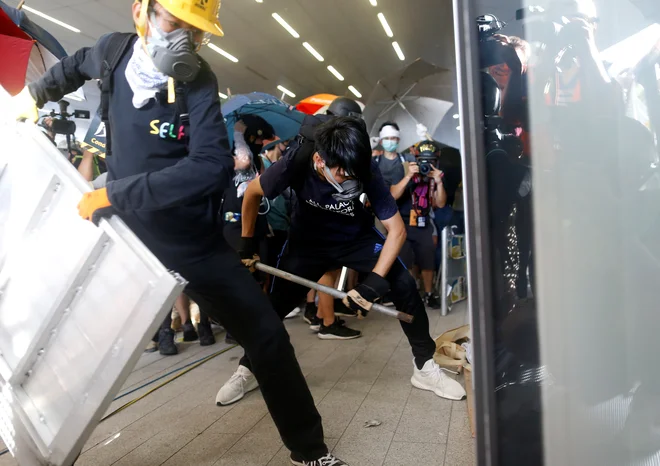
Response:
column 173, row 53
column 346, row 191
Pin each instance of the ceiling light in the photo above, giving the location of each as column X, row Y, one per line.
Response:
column 355, row 92
column 398, row 50
column 386, row 26
column 373, row 2
column 286, row 91
column 260, row 1
column 286, row 26
column 227, row 55
column 455, row 116
column 50, row 18
column 311, row 50
column 222, row 96
column 335, row 72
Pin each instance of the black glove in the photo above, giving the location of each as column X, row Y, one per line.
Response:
column 105, row 212
column 362, row 297
column 247, row 250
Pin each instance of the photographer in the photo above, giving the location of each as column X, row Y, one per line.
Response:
column 416, row 195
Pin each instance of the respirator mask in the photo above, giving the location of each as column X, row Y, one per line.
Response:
column 173, row 53
column 346, row 191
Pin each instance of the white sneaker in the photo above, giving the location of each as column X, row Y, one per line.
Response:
column 293, row 313
column 242, row 382
column 432, row 378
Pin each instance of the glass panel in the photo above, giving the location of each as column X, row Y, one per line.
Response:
column 571, row 118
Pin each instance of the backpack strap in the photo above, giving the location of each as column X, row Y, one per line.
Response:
column 116, row 46
column 305, row 148
column 182, row 106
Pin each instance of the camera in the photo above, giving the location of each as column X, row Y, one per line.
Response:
column 426, row 164
column 61, row 123
column 488, row 26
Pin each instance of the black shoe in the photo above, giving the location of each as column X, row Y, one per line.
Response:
column 310, row 317
column 327, row 460
column 189, row 332
column 432, row 300
column 314, row 323
column 342, row 310
column 310, row 313
column 206, row 337
column 166, row 344
column 230, row 340
column 338, row 331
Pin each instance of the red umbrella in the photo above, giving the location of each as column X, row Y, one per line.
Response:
column 312, row 104
column 16, row 48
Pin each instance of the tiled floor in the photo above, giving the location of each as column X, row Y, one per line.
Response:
column 352, row 382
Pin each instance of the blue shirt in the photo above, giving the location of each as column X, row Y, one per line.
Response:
column 317, row 215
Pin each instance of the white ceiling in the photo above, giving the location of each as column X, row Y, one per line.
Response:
column 347, row 33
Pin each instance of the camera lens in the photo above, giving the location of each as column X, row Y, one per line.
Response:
column 424, row 168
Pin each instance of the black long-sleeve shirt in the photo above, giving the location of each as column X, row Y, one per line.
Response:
column 167, row 189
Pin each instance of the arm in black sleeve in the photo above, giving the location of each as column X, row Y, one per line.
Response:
column 207, row 169
column 69, row 74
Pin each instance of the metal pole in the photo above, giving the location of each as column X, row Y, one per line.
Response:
column 329, row 290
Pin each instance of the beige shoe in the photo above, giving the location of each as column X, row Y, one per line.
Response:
column 152, row 347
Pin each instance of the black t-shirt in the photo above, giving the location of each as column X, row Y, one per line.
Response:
column 317, row 215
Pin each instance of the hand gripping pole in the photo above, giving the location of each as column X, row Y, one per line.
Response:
column 328, row 290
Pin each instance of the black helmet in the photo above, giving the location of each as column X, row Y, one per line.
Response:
column 343, row 106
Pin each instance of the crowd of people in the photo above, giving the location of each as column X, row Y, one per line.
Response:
column 312, row 205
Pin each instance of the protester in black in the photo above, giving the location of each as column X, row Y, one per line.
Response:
column 165, row 179
column 331, row 229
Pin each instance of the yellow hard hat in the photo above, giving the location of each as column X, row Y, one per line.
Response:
column 202, row 14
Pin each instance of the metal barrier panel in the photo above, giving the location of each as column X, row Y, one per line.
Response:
column 78, row 303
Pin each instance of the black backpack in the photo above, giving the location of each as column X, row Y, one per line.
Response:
column 303, row 148
column 116, row 47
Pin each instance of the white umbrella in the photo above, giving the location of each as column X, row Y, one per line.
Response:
column 410, row 91
column 426, row 110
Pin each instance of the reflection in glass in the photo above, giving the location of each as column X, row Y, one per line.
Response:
column 571, row 102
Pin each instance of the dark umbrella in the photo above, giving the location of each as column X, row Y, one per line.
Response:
column 28, row 51
column 284, row 119
column 35, row 31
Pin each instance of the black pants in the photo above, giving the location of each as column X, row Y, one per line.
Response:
column 312, row 261
column 224, row 287
column 419, row 249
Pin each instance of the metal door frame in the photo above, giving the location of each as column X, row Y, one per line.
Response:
column 480, row 279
